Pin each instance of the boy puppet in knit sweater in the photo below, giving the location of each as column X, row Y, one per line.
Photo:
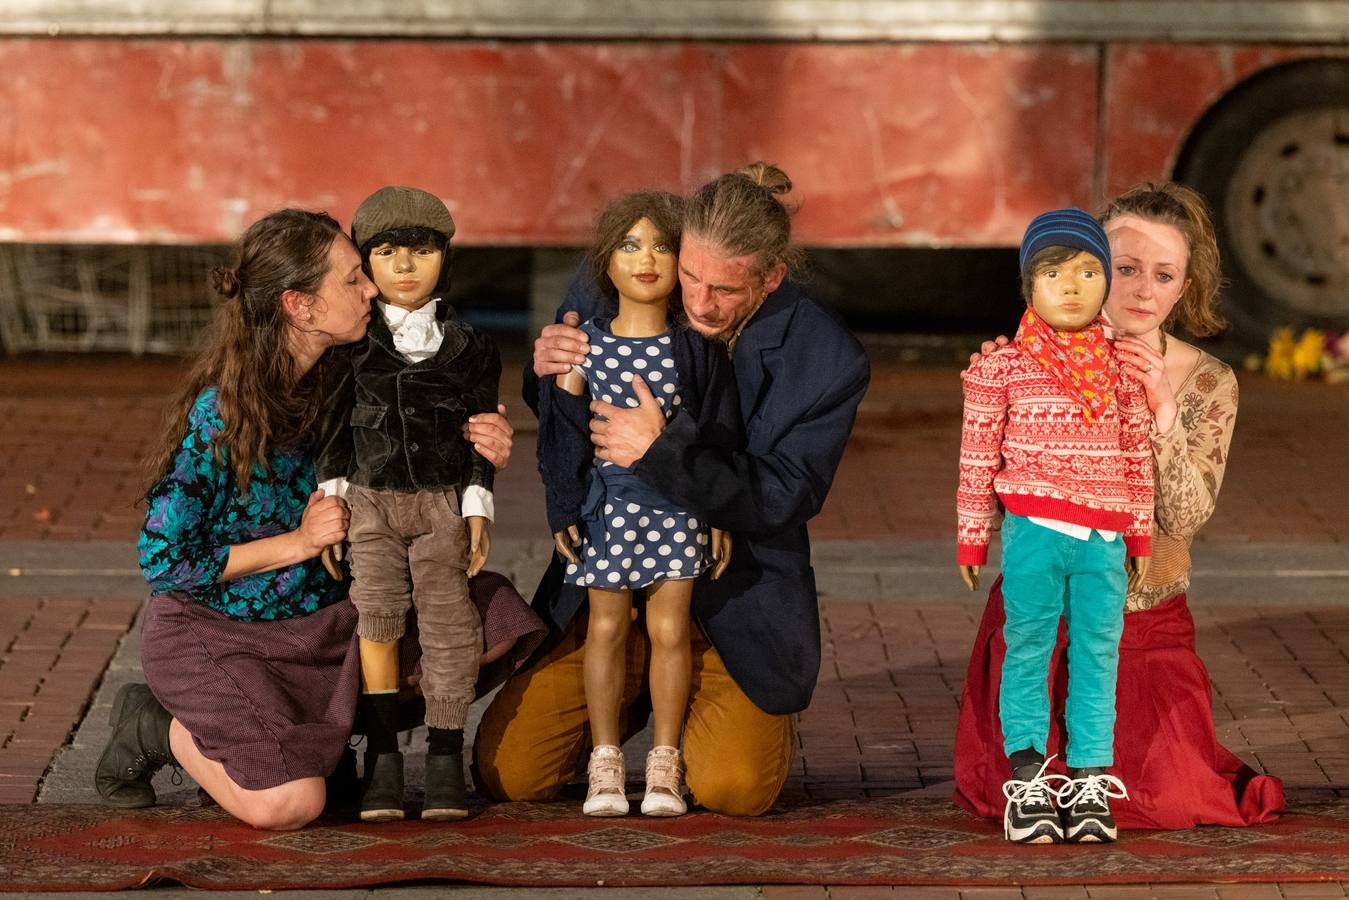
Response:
column 420, row 494
column 1059, row 437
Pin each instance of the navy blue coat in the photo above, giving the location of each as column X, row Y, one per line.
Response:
column 801, row 375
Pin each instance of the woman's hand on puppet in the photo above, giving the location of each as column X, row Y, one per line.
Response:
column 1148, row 366
column 324, row 522
column 988, row 347
column 491, row 435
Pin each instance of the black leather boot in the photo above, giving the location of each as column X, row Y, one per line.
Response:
column 446, row 792
column 137, row 749
column 382, row 787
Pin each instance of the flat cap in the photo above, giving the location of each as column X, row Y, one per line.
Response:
column 399, row 207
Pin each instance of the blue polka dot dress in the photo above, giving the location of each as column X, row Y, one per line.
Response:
column 633, row 538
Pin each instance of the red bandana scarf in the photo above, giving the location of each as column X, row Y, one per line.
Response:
column 1080, row 361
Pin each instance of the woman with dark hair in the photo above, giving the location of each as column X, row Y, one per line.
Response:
column 1165, row 274
column 248, row 644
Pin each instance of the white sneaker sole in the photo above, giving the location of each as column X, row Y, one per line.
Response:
column 663, row 805
column 606, row 805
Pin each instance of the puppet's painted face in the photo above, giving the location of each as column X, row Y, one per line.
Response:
column 1068, row 295
column 406, row 276
column 642, row 267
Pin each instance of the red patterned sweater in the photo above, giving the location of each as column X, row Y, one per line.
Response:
column 1026, row 443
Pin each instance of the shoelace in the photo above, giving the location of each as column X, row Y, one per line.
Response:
column 1041, row 787
column 606, row 774
column 663, row 771
column 150, row 762
column 1097, row 789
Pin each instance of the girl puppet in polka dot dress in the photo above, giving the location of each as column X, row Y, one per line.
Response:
column 622, row 536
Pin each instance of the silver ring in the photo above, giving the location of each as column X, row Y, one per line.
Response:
column 1149, row 368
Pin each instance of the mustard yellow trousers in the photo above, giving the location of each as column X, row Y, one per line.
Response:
column 535, row 738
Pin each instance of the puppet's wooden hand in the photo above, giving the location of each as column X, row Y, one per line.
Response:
column 331, row 558
column 565, row 540
column 479, row 544
column 970, row 575
column 721, row 552
column 1137, row 567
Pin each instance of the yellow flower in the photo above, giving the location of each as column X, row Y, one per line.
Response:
column 1279, row 361
column 1307, row 353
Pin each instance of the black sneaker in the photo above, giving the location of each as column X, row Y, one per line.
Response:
column 446, row 793
column 1086, row 809
column 1031, row 816
column 136, row 750
column 382, row 788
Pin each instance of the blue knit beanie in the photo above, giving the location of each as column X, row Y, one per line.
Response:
column 1067, row 227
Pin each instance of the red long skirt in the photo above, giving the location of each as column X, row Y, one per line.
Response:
column 1166, row 752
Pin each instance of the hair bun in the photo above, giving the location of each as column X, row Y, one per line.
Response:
column 225, row 281
column 767, row 176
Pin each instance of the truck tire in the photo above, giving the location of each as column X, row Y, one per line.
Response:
column 1272, row 159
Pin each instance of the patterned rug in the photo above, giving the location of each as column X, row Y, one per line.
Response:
column 887, row 841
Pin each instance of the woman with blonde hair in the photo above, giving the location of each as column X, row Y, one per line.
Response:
column 1165, row 274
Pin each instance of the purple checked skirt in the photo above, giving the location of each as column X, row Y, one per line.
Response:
column 275, row 701
column 270, row 701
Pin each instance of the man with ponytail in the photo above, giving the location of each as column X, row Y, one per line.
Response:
column 756, row 649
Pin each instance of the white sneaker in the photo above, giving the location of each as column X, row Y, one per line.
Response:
column 605, row 796
column 664, row 783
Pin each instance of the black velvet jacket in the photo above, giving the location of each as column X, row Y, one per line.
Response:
column 394, row 425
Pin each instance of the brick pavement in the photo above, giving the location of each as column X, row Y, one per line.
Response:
column 885, row 708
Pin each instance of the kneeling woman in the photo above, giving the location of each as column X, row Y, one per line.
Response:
column 248, row 643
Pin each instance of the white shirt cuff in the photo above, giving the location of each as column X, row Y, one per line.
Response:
column 477, row 501
column 334, row 487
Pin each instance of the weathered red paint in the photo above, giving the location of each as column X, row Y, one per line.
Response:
column 1155, row 94
column 172, row 140
column 117, row 140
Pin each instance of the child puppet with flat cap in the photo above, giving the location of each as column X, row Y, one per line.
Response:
column 1057, row 436
column 420, row 494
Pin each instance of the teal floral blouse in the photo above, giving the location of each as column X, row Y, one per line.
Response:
column 195, row 513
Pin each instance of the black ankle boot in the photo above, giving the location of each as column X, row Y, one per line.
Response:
column 446, row 792
column 343, row 786
column 137, row 749
column 382, row 787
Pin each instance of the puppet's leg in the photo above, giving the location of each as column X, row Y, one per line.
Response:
column 381, row 592
column 450, row 632
column 1033, row 591
column 1095, row 614
column 606, row 641
column 667, row 624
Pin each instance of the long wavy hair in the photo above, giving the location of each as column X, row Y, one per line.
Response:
column 265, row 403
column 1168, row 203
